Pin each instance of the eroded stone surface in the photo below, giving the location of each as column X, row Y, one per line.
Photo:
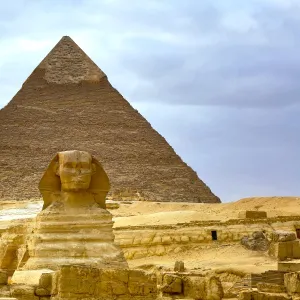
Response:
column 92, row 283
column 283, row 236
column 204, row 288
column 74, row 228
column 258, row 242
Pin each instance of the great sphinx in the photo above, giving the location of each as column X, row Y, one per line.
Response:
column 74, row 227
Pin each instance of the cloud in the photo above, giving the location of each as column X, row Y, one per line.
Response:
column 219, row 79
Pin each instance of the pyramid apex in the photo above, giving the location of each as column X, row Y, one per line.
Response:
column 68, row 63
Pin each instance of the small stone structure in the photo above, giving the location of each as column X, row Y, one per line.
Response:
column 179, row 266
column 284, row 245
column 252, row 214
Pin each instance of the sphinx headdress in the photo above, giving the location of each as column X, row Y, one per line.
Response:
column 50, row 184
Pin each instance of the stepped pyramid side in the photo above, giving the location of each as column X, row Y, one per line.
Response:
column 68, row 103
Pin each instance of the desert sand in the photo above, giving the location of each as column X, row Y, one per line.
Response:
column 210, row 257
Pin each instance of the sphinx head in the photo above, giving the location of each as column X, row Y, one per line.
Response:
column 75, row 169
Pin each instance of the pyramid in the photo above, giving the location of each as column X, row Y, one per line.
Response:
column 68, row 103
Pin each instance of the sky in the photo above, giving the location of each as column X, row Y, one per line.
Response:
column 218, row 79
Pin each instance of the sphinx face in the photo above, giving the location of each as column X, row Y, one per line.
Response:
column 75, row 170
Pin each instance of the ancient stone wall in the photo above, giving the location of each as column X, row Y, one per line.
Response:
column 138, row 242
column 83, row 282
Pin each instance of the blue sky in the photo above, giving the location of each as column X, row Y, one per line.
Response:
column 218, row 79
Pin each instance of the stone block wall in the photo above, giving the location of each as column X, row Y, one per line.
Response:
column 79, row 282
column 161, row 240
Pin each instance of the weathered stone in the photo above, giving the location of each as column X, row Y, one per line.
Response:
column 285, row 250
column 179, row 266
column 46, row 281
column 252, row 214
column 172, row 284
column 42, row 292
column 289, row 266
column 283, row 236
column 258, row 242
column 86, row 282
column 74, row 227
column 3, row 277
column 255, row 295
column 23, row 292
column 247, row 295
column 204, row 288
column 292, row 282
column 29, row 277
column 270, row 288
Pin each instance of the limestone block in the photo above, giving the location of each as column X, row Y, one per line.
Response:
column 156, row 240
column 141, row 254
column 200, row 238
column 23, row 292
column 140, row 283
column 3, row 277
column 252, row 214
column 92, row 283
column 283, row 236
column 39, row 291
column 288, row 266
column 214, row 289
column 29, row 277
column 160, row 250
column 177, row 250
column 46, row 281
column 248, row 295
column 172, row 284
column 296, row 250
column 283, row 250
column 204, row 288
column 179, row 266
column 270, row 288
column 255, row 295
column 292, row 282
column 146, row 240
column 272, row 296
column 166, row 240
column 184, row 239
column 177, row 238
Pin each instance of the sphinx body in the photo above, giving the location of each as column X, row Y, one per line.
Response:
column 74, row 227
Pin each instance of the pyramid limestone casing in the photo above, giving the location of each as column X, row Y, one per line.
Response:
column 68, row 103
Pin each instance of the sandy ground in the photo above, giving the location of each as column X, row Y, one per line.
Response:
column 212, row 258
column 153, row 213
